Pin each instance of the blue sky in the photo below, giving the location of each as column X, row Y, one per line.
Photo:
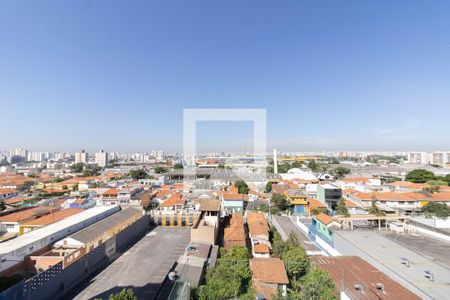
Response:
column 331, row 74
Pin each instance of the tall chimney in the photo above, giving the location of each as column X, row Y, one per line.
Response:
column 275, row 161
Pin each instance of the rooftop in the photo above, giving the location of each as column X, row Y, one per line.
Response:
column 269, row 270
column 349, row 271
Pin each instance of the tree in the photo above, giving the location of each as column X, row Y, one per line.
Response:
column 124, row 294
column 138, row 174
column 268, row 187
column 221, row 166
column 313, row 165
column 77, row 168
column 317, row 284
column 91, row 170
column 25, row 186
column 230, row 278
column 420, row 176
column 340, row 172
column 178, row 166
column 296, row 261
column 374, row 210
column 315, row 211
column 160, row 170
column 242, row 187
column 342, row 208
column 439, row 210
column 280, row 201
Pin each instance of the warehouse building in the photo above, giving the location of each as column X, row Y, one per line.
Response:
column 14, row 252
column 101, row 232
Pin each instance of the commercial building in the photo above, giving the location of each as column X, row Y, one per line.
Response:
column 329, row 194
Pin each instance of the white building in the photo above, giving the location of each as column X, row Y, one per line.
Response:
column 418, row 158
column 81, row 157
column 101, row 158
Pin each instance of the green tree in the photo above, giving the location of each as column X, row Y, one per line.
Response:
column 296, row 261
column 230, row 278
column 317, row 284
column 340, row 172
column 178, row 166
column 160, row 170
column 313, row 165
column 280, row 201
column 342, row 208
column 124, row 294
column 242, row 187
column 138, row 174
column 374, row 210
column 420, row 176
column 268, row 187
column 77, row 168
column 439, row 210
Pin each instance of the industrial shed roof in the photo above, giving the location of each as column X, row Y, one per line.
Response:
column 30, row 237
column 90, row 233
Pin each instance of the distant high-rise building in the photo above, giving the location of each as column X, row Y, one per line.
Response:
column 36, row 156
column 18, row 155
column 418, row 158
column 275, row 161
column 101, row 158
column 81, row 157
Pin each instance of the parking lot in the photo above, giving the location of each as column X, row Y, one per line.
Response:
column 143, row 267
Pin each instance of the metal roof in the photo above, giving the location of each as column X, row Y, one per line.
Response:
column 90, row 233
column 43, row 232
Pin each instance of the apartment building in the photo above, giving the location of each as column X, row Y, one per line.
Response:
column 101, row 158
column 81, row 157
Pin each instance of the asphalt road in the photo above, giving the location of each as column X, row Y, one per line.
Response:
column 143, row 267
column 288, row 227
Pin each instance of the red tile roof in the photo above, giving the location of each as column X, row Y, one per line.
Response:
column 173, row 200
column 261, row 248
column 323, row 218
column 347, row 271
column 269, row 270
column 53, row 217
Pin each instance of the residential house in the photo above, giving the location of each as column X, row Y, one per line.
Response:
column 297, row 199
column 269, row 277
column 329, row 194
column 232, row 203
column 234, row 232
column 174, row 203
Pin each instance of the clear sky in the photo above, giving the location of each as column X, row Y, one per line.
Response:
column 367, row 75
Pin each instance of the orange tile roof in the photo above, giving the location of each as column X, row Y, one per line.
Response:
column 163, row 193
column 323, row 218
column 111, row 192
column 7, row 191
column 314, row 203
column 269, row 270
column 261, row 248
column 53, row 217
column 15, row 200
column 350, row 204
column 233, row 190
column 235, row 230
column 355, row 179
column 257, row 224
column 25, row 215
column 173, row 200
column 230, row 196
